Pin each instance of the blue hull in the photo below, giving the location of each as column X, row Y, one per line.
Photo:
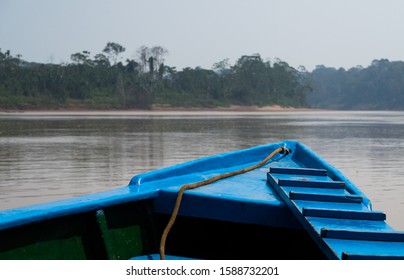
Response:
column 247, row 199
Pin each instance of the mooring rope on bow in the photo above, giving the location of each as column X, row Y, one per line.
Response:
column 204, row 183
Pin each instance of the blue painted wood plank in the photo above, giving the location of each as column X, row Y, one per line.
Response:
column 298, row 171
column 326, row 197
column 343, row 214
column 319, row 223
column 311, row 184
column 153, row 257
column 365, row 247
column 300, row 204
column 363, row 235
column 348, row 256
column 316, row 190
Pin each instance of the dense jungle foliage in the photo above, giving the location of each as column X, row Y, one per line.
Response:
column 380, row 86
column 105, row 82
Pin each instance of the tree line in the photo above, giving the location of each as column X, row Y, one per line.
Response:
column 104, row 81
column 380, row 86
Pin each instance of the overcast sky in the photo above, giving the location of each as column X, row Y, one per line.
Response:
column 335, row 33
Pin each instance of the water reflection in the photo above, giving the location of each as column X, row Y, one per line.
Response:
column 43, row 158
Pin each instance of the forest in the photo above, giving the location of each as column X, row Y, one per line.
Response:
column 380, row 86
column 103, row 81
column 107, row 81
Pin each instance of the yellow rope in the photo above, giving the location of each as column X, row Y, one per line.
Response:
column 203, row 183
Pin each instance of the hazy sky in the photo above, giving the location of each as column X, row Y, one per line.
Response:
column 335, row 33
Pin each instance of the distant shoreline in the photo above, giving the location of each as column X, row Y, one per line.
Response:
column 157, row 110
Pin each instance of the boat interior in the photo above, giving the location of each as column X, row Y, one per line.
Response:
column 133, row 230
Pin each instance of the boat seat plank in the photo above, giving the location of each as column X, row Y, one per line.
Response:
column 348, row 256
column 343, row 214
column 377, row 249
column 363, row 235
column 299, row 171
column 319, row 223
column 342, row 192
column 300, row 204
column 154, row 257
column 325, row 197
column 312, row 184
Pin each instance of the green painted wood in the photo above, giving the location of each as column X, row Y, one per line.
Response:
column 61, row 249
column 102, row 223
column 121, row 231
column 117, row 232
column 58, row 239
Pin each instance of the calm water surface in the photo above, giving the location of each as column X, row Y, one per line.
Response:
column 49, row 157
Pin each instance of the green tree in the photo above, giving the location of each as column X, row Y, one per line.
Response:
column 101, row 60
column 81, row 58
column 113, row 50
column 248, row 80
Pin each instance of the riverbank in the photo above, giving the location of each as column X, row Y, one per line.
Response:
column 158, row 110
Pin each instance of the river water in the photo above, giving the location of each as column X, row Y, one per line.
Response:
column 50, row 156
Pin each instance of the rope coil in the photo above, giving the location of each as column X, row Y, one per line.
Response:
column 204, row 183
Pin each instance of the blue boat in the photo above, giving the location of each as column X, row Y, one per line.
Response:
column 274, row 201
